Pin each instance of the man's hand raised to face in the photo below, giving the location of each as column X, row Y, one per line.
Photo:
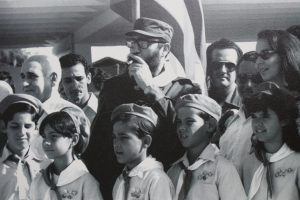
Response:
column 140, row 71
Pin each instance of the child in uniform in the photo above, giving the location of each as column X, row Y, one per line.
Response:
column 65, row 137
column 143, row 177
column 201, row 173
column 273, row 170
column 18, row 165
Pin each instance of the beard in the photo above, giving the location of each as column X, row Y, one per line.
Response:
column 153, row 62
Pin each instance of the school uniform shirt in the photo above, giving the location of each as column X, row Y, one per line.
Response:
column 147, row 181
column 235, row 143
column 90, row 109
column 212, row 177
column 73, row 183
column 16, row 175
column 285, row 175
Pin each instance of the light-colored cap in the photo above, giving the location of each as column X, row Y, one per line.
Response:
column 137, row 110
column 201, row 102
column 5, row 89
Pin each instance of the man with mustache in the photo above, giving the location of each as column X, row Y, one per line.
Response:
column 222, row 58
column 75, row 79
column 149, row 80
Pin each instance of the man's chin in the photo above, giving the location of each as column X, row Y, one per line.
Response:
column 75, row 101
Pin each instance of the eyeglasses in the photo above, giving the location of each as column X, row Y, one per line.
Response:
column 229, row 66
column 142, row 43
column 254, row 78
column 253, row 55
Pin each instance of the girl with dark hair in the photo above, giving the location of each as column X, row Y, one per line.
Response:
column 273, row 171
column 65, row 137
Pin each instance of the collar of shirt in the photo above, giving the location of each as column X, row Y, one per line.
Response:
column 147, row 164
column 6, row 153
column 233, row 98
column 48, row 104
column 75, row 170
column 207, row 154
column 92, row 103
column 56, row 103
column 166, row 76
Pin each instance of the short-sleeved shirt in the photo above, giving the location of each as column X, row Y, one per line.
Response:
column 75, row 182
column 215, row 179
column 285, row 177
column 11, row 177
column 148, row 181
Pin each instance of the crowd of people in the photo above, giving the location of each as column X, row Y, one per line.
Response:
column 151, row 134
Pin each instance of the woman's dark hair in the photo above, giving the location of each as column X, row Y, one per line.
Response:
column 284, row 105
column 288, row 48
column 17, row 108
column 143, row 126
column 62, row 123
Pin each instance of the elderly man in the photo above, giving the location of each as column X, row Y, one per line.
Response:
column 235, row 143
column 148, row 80
column 41, row 75
column 222, row 58
column 75, row 79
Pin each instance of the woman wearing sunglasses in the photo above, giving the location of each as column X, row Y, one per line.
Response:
column 278, row 58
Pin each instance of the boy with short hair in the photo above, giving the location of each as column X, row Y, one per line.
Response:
column 202, row 172
column 143, row 177
column 18, row 165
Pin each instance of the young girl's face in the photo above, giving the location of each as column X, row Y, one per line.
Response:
column 19, row 131
column 128, row 146
column 191, row 128
column 266, row 126
column 55, row 144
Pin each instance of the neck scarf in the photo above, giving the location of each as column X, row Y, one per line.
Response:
column 185, row 177
column 282, row 153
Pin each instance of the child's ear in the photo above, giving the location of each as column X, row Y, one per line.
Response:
column 75, row 139
column 211, row 125
column 54, row 79
column 284, row 122
column 147, row 141
column 3, row 127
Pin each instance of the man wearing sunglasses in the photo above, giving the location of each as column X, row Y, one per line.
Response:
column 149, row 80
column 222, row 58
column 235, row 143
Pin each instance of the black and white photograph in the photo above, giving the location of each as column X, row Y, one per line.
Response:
column 149, row 100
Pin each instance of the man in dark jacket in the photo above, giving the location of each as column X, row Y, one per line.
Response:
column 149, row 80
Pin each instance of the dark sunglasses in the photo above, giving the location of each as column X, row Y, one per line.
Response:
column 142, row 43
column 229, row 66
column 254, row 78
column 253, row 55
